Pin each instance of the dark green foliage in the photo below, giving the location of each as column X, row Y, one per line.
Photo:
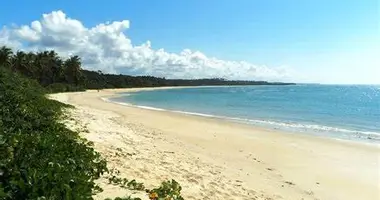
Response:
column 39, row 157
column 97, row 80
column 125, row 183
column 5, row 57
column 167, row 190
column 46, row 67
column 64, row 87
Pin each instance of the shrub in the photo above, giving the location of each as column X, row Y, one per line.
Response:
column 39, row 157
column 42, row 159
column 168, row 190
column 63, row 87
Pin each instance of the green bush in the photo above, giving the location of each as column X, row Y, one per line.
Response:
column 168, row 190
column 63, row 87
column 39, row 157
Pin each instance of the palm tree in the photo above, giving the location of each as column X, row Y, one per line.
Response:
column 73, row 70
column 19, row 62
column 5, row 56
column 56, row 64
column 30, row 59
column 42, row 69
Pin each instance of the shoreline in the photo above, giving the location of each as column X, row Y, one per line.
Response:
column 227, row 159
column 358, row 141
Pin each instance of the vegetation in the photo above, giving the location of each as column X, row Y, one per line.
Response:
column 167, row 190
column 40, row 158
column 60, row 75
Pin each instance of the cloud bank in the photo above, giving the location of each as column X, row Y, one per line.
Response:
column 106, row 47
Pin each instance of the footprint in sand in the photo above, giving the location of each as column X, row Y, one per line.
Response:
column 214, row 172
column 289, row 183
column 192, row 178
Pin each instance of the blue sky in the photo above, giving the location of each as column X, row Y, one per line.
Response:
column 329, row 41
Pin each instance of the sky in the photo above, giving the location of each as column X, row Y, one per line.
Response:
column 311, row 41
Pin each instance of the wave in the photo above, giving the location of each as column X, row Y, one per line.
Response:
column 159, row 109
column 317, row 128
column 289, row 126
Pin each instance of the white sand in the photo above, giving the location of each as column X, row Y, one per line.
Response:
column 216, row 159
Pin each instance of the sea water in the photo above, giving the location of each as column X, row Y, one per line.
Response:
column 340, row 111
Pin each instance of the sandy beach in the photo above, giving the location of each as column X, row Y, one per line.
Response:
column 217, row 159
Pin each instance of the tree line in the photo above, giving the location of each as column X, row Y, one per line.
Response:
column 66, row 74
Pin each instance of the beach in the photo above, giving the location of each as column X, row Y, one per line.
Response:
column 219, row 159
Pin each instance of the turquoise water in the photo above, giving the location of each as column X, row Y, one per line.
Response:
column 344, row 112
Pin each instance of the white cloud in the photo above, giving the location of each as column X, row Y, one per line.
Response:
column 105, row 47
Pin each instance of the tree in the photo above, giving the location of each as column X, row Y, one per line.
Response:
column 19, row 63
column 43, row 69
column 56, row 65
column 73, row 70
column 30, row 58
column 52, row 71
column 5, row 56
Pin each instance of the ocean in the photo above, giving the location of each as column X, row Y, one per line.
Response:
column 349, row 112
